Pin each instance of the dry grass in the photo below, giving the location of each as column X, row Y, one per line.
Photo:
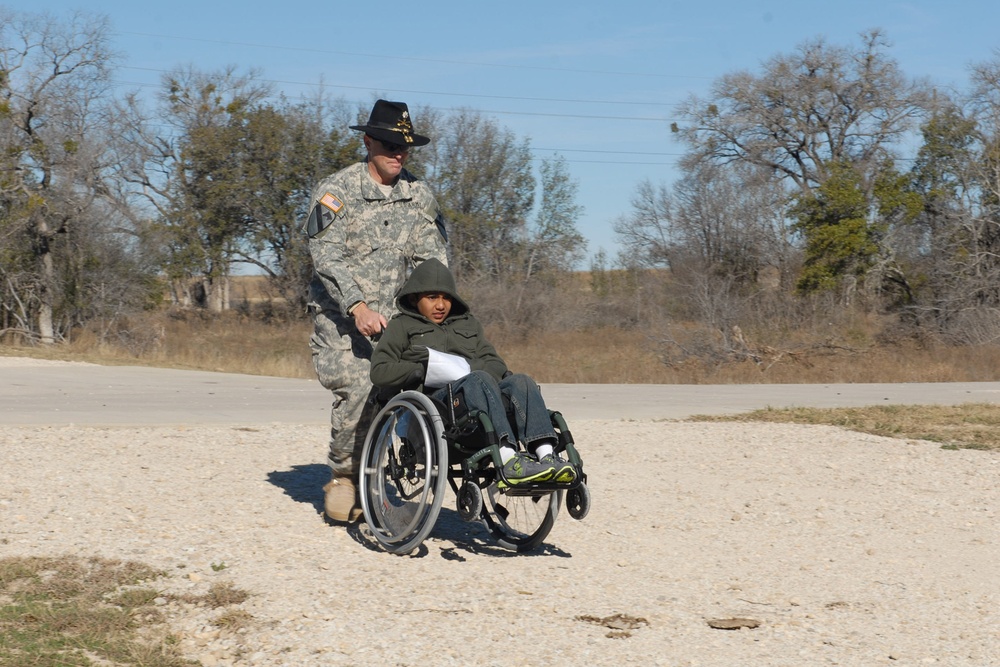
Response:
column 66, row 611
column 233, row 620
column 220, row 594
column 229, row 343
column 236, row 343
column 69, row 611
column 586, row 357
column 967, row 426
column 615, row 356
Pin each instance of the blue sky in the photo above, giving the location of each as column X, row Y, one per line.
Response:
column 594, row 82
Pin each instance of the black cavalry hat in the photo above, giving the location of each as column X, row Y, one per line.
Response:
column 390, row 122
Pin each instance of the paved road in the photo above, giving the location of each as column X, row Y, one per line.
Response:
column 107, row 395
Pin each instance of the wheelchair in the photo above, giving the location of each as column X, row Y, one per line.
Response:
column 416, row 445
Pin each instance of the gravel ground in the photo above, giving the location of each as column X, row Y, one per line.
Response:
column 847, row 549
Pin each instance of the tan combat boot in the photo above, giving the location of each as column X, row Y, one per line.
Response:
column 341, row 500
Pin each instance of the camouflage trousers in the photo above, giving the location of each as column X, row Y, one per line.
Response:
column 342, row 359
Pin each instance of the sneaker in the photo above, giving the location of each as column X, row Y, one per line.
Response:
column 341, row 500
column 522, row 469
column 565, row 472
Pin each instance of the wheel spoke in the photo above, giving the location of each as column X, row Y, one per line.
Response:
column 400, row 476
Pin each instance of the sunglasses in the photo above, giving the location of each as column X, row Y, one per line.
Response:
column 393, row 148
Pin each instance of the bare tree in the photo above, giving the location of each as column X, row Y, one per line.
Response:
column 810, row 117
column 954, row 246
column 725, row 220
column 733, row 221
column 645, row 232
column 553, row 244
column 819, row 106
column 53, row 83
column 483, row 177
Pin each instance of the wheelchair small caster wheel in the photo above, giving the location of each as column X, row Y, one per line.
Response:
column 470, row 501
column 578, row 502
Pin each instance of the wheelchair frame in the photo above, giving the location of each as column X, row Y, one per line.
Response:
column 411, row 451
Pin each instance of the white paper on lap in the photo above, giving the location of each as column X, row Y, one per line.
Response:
column 443, row 368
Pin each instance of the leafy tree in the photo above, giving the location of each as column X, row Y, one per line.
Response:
column 834, row 221
column 186, row 165
column 283, row 152
column 844, row 231
column 229, row 180
column 940, row 171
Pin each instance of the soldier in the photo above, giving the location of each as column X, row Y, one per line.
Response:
column 371, row 223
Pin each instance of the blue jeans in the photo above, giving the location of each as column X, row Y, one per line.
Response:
column 530, row 416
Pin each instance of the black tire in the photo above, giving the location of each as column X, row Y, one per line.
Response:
column 403, row 472
column 470, row 501
column 520, row 521
column 578, row 501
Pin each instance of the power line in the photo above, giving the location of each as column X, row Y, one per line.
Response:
column 515, row 113
column 413, row 58
column 431, row 92
column 617, row 162
column 552, row 150
column 584, row 150
column 469, row 95
column 141, row 84
column 569, row 115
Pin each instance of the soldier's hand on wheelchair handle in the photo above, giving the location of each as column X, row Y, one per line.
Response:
column 368, row 322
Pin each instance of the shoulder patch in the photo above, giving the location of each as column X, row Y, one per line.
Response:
column 332, row 202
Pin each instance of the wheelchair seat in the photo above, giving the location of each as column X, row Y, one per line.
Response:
column 416, row 445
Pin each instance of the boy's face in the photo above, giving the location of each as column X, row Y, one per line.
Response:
column 435, row 306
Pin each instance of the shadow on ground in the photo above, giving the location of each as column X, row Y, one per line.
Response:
column 454, row 540
column 303, row 483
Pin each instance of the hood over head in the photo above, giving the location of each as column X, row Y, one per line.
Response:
column 430, row 276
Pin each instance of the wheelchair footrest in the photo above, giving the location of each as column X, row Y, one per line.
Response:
column 534, row 488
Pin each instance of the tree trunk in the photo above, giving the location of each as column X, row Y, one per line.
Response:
column 46, row 330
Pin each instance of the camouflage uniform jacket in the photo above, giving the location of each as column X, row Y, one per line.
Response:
column 364, row 244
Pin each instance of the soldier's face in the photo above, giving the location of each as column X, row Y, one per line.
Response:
column 385, row 161
column 435, row 306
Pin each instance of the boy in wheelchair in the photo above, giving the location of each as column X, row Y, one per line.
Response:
column 433, row 319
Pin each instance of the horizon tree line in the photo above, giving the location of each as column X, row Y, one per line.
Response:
column 792, row 194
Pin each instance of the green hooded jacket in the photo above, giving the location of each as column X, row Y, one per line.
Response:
column 402, row 350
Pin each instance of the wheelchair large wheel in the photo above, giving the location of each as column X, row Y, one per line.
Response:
column 404, row 471
column 520, row 520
